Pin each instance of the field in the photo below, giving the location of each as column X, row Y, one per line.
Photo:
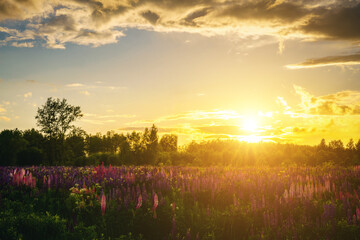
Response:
column 179, row 203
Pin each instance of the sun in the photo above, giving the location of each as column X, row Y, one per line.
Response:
column 250, row 124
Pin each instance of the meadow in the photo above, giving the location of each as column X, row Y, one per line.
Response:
column 148, row 202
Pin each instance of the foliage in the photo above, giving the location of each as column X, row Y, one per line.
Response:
column 80, row 149
column 55, row 117
column 180, row 203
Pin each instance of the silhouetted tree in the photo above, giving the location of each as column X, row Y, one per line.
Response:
column 94, row 144
column 75, row 146
column 350, row 145
column 336, row 145
column 55, row 118
column 322, row 145
column 11, row 143
column 168, row 142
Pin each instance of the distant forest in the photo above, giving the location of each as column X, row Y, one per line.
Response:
column 60, row 143
column 31, row 147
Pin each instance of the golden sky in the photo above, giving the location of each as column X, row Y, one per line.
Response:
column 263, row 70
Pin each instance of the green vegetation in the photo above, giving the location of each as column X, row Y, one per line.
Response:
column 60, row 143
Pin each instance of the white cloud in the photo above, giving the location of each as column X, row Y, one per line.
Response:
column 28, row 94
column 86, row 93
column 23, row 44
column 74, row 85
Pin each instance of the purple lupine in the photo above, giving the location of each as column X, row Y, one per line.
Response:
column 139, row 202
column 103, row 203
column 156, row 203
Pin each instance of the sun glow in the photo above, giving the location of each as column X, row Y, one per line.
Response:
column 250, row 124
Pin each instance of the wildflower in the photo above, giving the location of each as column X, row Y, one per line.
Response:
column 156, row 203
column 139, row 202
column 103, row 204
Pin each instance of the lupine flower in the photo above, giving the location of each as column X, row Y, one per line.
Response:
column 49, row 182
column 103, row 204
column 156, row 203
column 139, row 202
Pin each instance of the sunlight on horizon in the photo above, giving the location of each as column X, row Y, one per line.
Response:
column 250, row 124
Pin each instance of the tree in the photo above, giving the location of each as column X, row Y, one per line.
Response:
column 11, row 143
column 168, row 142
column 350, row 145
column 75, row 146
column 55, row 120
column 336, row 145
column 94, row 144
column 55, row 117
column 322, row 145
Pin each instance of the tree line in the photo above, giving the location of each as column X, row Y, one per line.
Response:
column 58, row 142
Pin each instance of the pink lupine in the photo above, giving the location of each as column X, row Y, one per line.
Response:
column 103, row 204
column 22, row 174
column 156, row 203
column 49, row 182
column 139, row 202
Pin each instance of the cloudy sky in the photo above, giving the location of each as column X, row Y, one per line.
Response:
column 271, row 70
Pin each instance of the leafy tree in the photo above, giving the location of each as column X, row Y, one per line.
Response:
column 75, row 146
column 11, row 143
column 150, row 140
column 94, row 144
column 55, row 117
column 34, row 138
column 168, row 142
column 322, row 145
column 30, row 156
column 336, row 145
column 350, row 145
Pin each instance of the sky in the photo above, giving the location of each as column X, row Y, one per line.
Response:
column 260, row 70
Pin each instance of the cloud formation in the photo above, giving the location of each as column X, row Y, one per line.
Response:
column 341, row 60
column 28, row 94
column 340, row 103
column 55, row 23
column 4, row 118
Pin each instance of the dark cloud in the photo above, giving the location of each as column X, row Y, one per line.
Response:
column 98, row 22
column 328, row 61
column 266, row 11
column 61, row 22
column 103, row 15
column 150, row 16
column 8, row 10
column 337, row 23
column 189, row 19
